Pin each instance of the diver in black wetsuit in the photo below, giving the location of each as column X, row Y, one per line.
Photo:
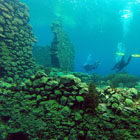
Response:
column 121, row 64
column 90, row 67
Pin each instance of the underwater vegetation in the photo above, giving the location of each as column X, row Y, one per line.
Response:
column 91, row 99
column 121, row 80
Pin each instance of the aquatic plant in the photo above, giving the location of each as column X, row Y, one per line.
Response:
column 121, row 79
column 91, row 99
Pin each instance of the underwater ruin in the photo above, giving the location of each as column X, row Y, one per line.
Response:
column 43, row 98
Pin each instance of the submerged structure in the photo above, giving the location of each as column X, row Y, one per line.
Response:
column 62, row 50
column 60, row 54
column 16, row 40
column 59, row 105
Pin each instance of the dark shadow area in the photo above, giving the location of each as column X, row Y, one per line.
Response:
column 1, row 71
column 17, row 136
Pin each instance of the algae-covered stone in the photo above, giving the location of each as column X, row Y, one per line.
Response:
column 66, row 93
column 1, row 29
column 102, row 108
column 17, row 21
column 129, row 102
column 69, row 79
column 79, row 98
column 2, row 36
column 52, row 96
column 74, row 93
column 134, row 119
column 37, row 90
column 40, row 82
column 66, row 111
column 10, row 80
column 21, row 14
column 9, row 7
column 63, row 100
column 71, row 100
column 6, row 15
column 28, row 96
column 132, row 92
column 51, row 104
column 117, row 96
column 83, row 91
column 57, row 92
column 39, row 97
column 48, row 88
column 78, row 116
column 29, row 83
column 53, row 83
column 2, row 20
column 75, row 87
column 82, row 85
column 115, row 106
column 40, row 74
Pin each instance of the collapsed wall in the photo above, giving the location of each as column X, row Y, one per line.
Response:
column 16, row 40
column 41, row 105
column 62, row 50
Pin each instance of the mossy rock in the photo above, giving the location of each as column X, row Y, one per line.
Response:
column 129, row 102
column 115, row 106
column 7, row 15
column 1, row 29
column 63, row 100
column 40, row 82
column 2, row 20
column 69, row 79
column 2, row 36
column 17, row 21
column 79, row 98
column 9, row 7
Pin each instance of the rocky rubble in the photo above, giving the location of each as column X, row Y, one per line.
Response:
column 54, row 108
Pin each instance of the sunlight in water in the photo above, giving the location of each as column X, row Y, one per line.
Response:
column 127, row 14
column 138, row 1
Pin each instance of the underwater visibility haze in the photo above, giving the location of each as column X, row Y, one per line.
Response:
column 95, row 27
column 69, row 69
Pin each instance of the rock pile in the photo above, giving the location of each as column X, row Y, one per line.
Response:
column 67, row 90
column 51, row 108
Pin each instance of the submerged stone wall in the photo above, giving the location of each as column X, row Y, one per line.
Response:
column 48, row 108
column 16, row 40
column 62, row 50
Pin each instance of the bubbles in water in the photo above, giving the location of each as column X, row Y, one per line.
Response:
column 120, row 51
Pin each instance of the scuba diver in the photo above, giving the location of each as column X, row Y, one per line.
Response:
column 121, row 64
column 90, row 67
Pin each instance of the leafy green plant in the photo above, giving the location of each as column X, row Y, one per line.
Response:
column 91, row 99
